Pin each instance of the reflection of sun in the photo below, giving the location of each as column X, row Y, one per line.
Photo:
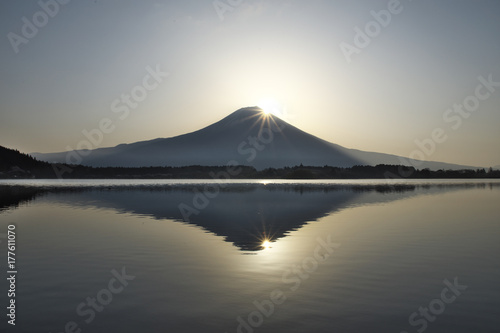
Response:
column 266, row 244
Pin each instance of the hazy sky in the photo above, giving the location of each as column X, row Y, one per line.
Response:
column 65, row 69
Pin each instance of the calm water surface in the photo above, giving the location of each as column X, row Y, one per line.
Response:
column 253, row 256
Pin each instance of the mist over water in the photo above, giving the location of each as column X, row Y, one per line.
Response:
column 356, row 256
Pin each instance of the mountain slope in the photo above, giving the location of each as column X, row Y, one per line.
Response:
column 246, row 137
column 15, row 164
column 10, row 158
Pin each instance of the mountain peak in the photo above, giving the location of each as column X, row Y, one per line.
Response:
column 252, row 114
column 249, row 111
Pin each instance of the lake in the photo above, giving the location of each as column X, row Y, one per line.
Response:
column 252, row 255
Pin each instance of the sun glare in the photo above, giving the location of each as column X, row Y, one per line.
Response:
column 269, row 106
column 266, row 244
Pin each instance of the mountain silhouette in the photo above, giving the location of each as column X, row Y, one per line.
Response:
column 246, row 137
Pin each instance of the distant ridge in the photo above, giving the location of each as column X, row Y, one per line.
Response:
column 245, row 137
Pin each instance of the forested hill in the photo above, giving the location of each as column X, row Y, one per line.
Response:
column 14, row 164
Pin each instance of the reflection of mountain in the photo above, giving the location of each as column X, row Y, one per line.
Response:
column 245, row 137
column 243, row 214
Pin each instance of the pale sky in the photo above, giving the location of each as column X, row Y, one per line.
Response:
column 72, row 70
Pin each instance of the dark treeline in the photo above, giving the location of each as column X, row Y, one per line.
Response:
column 14, row 164
column 380, row 171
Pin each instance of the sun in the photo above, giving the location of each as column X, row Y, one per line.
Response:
column 269, row 106
column 266, row 244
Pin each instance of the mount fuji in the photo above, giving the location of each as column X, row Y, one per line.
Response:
column 248, row 136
